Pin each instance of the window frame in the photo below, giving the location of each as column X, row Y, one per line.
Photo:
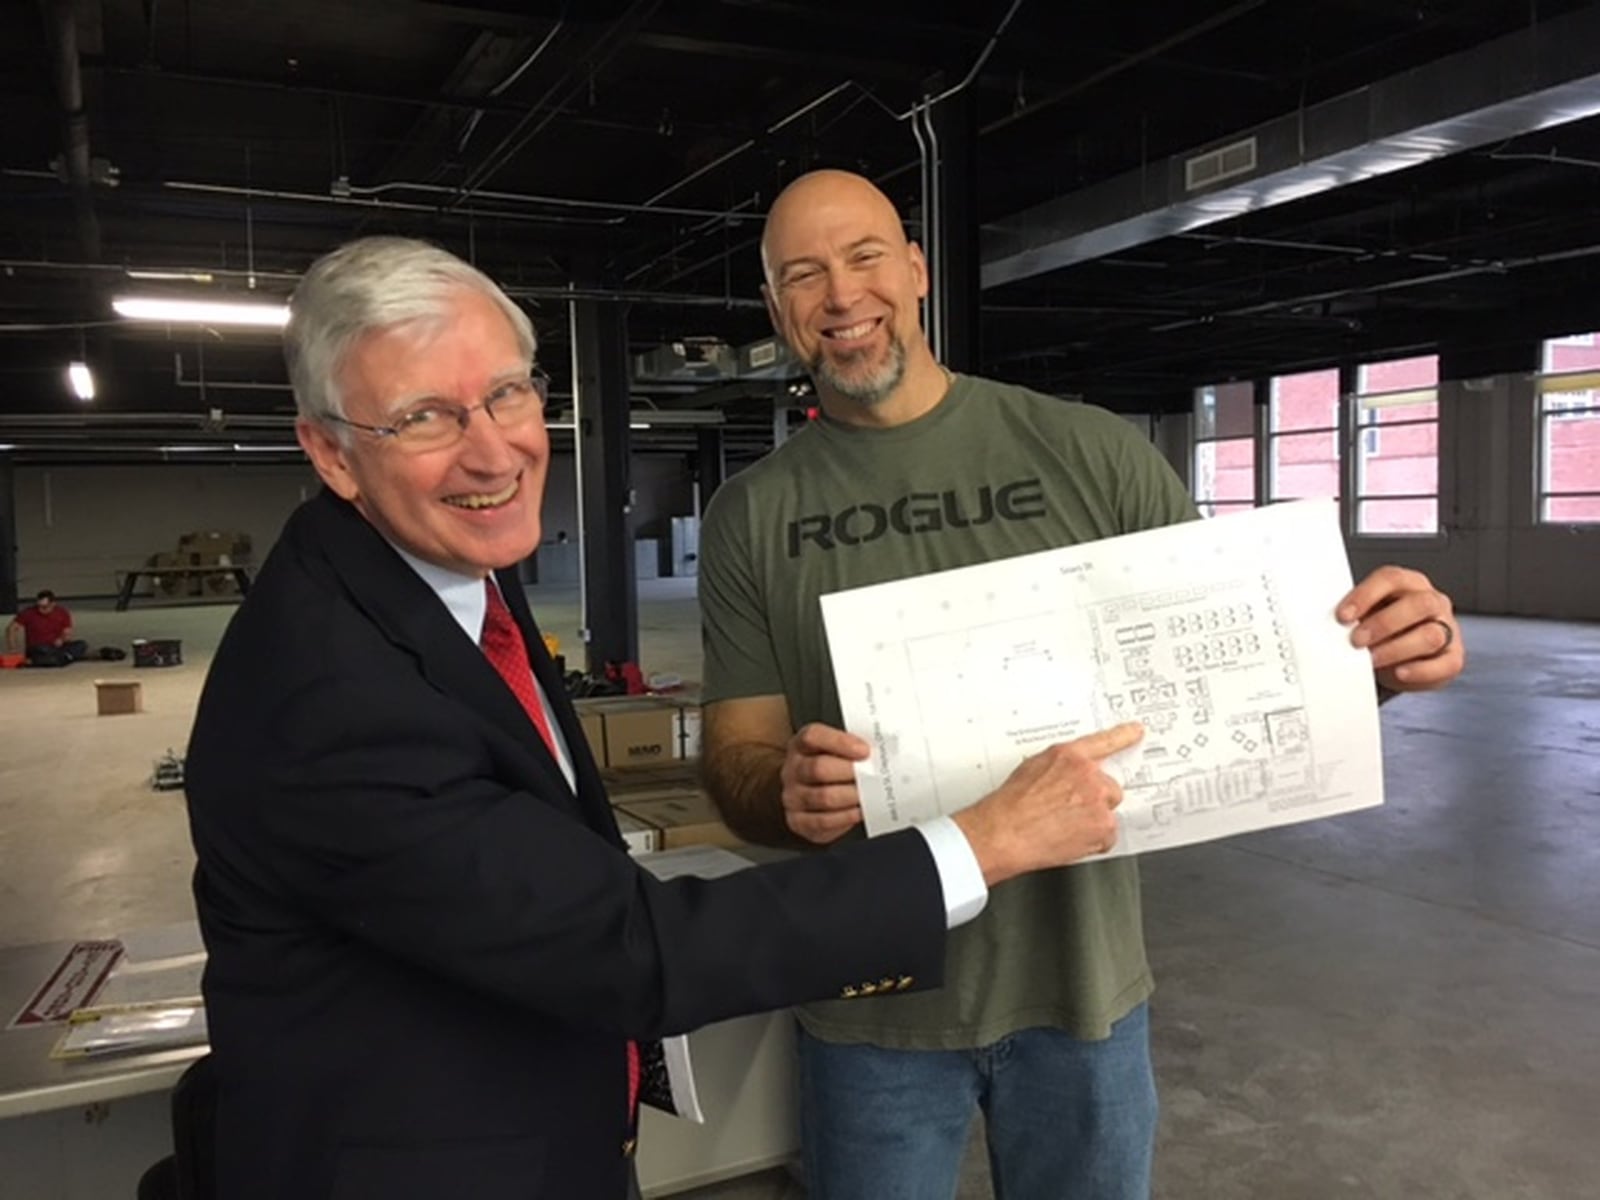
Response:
column 1362, row 401
column 1549, row 387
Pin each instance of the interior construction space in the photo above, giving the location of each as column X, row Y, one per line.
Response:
column 1341, row 252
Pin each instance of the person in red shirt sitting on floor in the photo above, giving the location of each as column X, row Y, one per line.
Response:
column 46, row 629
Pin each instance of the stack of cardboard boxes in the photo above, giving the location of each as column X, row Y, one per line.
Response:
column 205, row 550
column 648, row 749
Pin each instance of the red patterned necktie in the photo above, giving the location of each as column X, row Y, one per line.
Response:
column 504, row 647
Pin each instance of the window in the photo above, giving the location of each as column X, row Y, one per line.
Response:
column 1224, row 448
column 1303, row 436
column 1397, row 451
column 1569, row 431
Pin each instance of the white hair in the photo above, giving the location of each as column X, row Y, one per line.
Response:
column 367, row 285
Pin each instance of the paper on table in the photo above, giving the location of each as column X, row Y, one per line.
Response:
column 1218, row 635
column 181, row 939
column 157, row 984
column 707, row 862
column 132, row 1032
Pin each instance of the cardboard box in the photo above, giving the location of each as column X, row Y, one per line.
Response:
column 641, row 838
column 117, row 696
column 594, row 732
column 686, row 703
column 677, row 773
column 650, row 782
column 639, row 730
column 686, row 819
column 689, row 723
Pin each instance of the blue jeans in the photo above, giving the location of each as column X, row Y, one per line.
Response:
column 1067, row 1119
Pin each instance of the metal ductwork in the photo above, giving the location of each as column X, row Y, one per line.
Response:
column 1542, row 76
column 709, row 361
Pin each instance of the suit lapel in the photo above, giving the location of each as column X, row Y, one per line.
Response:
column 412, row 616
column 591, row 790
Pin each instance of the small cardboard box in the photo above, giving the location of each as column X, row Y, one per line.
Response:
column 685, row 819
column 641, row 838
column 624, row 784
column 117, row 696
column 639, row 731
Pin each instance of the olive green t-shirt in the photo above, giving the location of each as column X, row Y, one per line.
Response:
column 992, row 471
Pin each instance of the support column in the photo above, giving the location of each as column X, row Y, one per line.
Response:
column 609, row 594
column 1349, row 443
column 1261, row 390
column 710, row 464
column 8, row 535
column 949, row 141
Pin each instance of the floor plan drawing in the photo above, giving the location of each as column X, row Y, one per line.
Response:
column 1217, row 636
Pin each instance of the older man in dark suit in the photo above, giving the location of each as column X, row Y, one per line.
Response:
column 430, row 956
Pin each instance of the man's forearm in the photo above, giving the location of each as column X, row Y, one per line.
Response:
column 745, row 782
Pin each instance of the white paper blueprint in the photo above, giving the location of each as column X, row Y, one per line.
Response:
column 1218, row 635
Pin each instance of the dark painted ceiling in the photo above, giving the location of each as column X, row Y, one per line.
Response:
column 629, row 150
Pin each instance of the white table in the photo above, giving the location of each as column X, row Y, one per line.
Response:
column 86, row 1130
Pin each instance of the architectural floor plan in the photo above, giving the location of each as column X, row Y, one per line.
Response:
column 1219, row 636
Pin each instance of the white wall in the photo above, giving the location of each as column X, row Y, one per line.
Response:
column 78, row 526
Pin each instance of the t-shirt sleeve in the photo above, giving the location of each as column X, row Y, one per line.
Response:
column 1149, row 494
column 735, row 634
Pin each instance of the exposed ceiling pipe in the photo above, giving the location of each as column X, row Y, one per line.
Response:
column 62, row 30
column 620, row 206
column 521, row 291
column 1155, row 50
column 579, row 75
column 438, row 210
column 810, row 105
column 1496, row 267
column 99, row 418
column 994, row 40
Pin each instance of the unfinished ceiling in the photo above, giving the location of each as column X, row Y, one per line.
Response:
column 1167, row 194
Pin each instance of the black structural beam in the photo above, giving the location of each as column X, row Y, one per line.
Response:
column 8, row 535
column 952, row 144
column 600, row 410
column 710, row 461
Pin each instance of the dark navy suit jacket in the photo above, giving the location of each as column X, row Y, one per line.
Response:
column 426, row 951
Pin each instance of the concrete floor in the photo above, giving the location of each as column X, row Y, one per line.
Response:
column 1403, row 1002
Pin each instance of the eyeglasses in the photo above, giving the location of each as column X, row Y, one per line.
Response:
column 434, row 424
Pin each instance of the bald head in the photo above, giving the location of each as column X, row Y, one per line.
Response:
column 818, row 199
column 844, row 288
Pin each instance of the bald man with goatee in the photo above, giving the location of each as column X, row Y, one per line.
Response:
column 1042, row 1020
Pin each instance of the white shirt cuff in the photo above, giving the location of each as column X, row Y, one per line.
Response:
column 965, row 893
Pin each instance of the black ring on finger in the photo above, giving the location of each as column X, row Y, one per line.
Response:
column 1449, row 635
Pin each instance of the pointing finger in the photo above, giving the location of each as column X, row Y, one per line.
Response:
column 1107, row 742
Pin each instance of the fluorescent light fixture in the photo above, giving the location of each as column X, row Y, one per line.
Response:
column 573, row 425
column 82, row 380
column 201, row 312
column 171, row 276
